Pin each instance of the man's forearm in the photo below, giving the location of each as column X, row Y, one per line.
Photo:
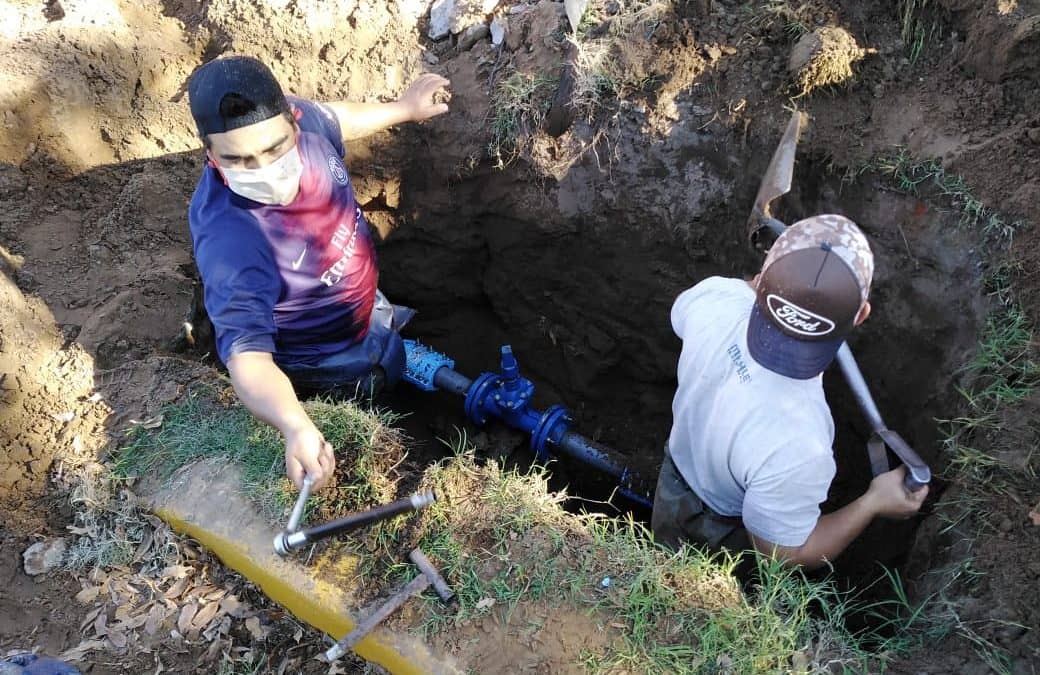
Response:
column 265, row 390
column 833, row 533
column 358, row 120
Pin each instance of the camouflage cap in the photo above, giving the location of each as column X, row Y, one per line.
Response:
column 844, row 238
column 812, row 286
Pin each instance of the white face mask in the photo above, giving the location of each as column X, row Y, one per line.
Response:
column 274, row 184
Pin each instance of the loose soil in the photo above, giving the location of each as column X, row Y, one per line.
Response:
column 572, row 253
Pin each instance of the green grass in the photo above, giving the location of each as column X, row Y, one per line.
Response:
column 1000, row 376
column 913, row 176
column 501, row 536
column 200, row 427
column 794, row 17
column 250, row 665
column 521, row 100
column 518, row 107
column 919, row 26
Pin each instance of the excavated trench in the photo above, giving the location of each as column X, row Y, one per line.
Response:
column 583, row 295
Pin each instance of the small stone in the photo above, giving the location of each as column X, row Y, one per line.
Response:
column 440, row 19
column 472, row 36
column 43, row 556
column 1006, row 525
column 431, row 58
column 498, row 30
column 1034, row 135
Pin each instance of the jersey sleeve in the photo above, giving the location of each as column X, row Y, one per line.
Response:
column 241, row 284
column 782, row 504
column 320, row 119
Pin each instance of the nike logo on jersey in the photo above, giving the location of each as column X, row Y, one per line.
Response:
column 299, row 261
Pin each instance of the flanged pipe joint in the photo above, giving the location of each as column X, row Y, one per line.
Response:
column 506, row 395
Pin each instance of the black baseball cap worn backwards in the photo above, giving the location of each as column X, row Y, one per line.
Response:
column 233, row 92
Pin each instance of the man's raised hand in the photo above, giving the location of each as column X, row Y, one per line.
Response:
column 421, row 97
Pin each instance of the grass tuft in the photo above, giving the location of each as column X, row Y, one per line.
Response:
column 200, row 426
column 916, row 177
column 916, row 29
column 518, row 108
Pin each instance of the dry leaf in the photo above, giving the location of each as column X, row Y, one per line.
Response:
column 88, row 595
column 204, row 616
column 79, row 651
column 90, row 617
column 255, row 629
column 117, row 639
column 215, row 648
column 186, row 615
column 144, row 547
column 155, row 619
column 175, row 591
column 100, row 624
column 150, row 423
column 235, row 607
column 485, row 603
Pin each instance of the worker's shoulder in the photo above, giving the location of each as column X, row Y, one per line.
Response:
column 713, row 301
column 308, row 107
column 715, row 289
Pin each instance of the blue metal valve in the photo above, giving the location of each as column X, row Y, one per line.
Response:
column 507, row 396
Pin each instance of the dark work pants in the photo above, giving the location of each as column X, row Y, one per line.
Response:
column 680, row 516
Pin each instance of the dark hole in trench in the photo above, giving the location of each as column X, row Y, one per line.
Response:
column 505, row 285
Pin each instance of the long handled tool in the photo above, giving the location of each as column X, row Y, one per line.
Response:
column 775, row 184
column 292, row 539
column 428, row 576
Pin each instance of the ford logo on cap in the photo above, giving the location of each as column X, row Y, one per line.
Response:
column 798, row 319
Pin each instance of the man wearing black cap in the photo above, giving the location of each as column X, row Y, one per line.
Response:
column 286, row 257
column 749, row 459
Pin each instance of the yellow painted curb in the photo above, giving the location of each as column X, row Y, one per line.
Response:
column 203, row 501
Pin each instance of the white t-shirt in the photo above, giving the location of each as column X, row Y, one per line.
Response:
column 750, row 442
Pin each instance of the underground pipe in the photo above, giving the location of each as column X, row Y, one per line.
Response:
column 507, row 396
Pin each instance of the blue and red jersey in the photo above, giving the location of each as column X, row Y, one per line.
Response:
column 297, row 281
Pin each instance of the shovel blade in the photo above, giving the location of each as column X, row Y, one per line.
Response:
column 777, row 180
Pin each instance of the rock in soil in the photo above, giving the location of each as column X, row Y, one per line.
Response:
column 43, row 556
column 824, row 57
column 472, row 36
